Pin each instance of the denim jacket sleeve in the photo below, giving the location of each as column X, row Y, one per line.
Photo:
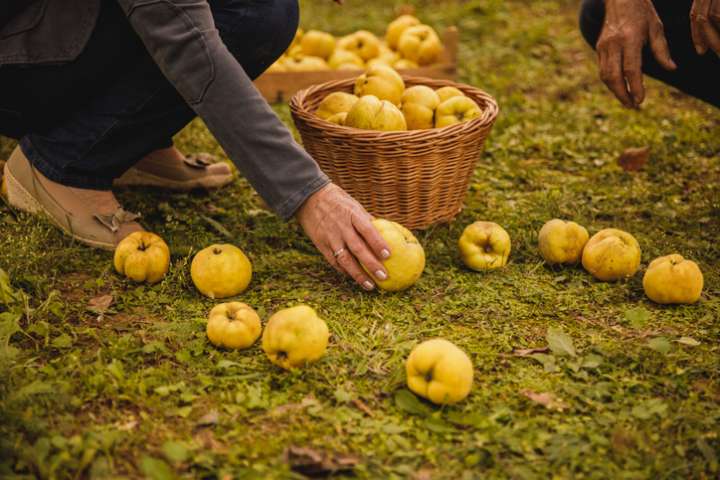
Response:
column 182, row 38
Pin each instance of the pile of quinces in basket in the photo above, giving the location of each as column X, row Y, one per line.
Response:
column 380, row 101
column 436, row 369
column 407, row 44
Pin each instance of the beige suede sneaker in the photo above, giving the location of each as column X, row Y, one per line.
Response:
column 169, row 169
column 93, row 217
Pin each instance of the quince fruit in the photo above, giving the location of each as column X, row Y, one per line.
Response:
column 343, row 58
column 296, row 39
column 370, row 113
column 302, row 63
column 407, row 257
column 336, row 102
column 484, row 246
column 562, row 242
column 294, row 337
column 405, row 64
column 448, row 92
column 221, row 271
column 439, row 371
column 611, row 254
column 363, row 43
column 421, row 44
column 317, row 44
column 373, row 62
column 387, row 55
column 397, row 27
column 673, row 279
column 233, row 325
column 418, row 105
column 338, row 118
column 383, row 82
column 456, row 110
column 142, row 257
column 279, row 65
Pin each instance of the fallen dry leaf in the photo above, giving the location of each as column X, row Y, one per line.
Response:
column 526, row 352
column 210, row 418
column 314, row 463
column 633, row 159
column 423, row 474
column 404, row 9
column 206, row 439
column 127, row 426
column 546, row 399
column 100, row 304
column 362, row 406
column 306, row 402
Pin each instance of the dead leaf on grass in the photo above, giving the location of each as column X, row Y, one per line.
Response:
column 207, row 420
column 314, row 463
column 423, row 474
column 100, row 304
column 362, row 406
column 127, row 426
column 689, row 341
column 207, row 441
column 633, row 159
column 546, row 399
column 405, row 9
column 526, row 352
column 306, row 402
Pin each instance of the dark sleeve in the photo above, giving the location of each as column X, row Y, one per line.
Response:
column 182, row 38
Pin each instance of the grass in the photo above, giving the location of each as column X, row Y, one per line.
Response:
column 138, row 391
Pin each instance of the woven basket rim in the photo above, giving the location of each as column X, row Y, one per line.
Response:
column 299, row 107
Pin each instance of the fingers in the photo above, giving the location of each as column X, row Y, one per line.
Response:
column 711, row 34
column 361, row 252
column 698, row 19
column 632, row 72
column 611, row 73
column 659, row 46
column 330, row 258
column 349, row 265
column 372, row 237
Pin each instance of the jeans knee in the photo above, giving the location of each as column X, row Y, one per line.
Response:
column 285, row 23
column 280, row 27
column 592, row 16
column 256, row 33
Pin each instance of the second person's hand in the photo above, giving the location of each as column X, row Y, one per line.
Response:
column 629, row 26
column 705, row 26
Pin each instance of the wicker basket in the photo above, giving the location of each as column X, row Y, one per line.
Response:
column 416, row 178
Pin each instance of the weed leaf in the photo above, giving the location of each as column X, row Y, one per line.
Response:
column 560, row 342
column 175, row 452
column 689, row 341
column 637, row 317
column 660, row 344
column 406, row 401
column 155, row 469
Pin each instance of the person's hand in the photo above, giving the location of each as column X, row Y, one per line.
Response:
column 342, row 230
column 705, row 25
column 629, row 26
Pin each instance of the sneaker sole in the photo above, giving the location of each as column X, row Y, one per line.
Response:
column 21, row 199
column 136, row 178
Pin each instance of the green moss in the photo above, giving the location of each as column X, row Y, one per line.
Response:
column 121, row 393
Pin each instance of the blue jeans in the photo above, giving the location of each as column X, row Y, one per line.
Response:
column 696, row 75
column 84, row 123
